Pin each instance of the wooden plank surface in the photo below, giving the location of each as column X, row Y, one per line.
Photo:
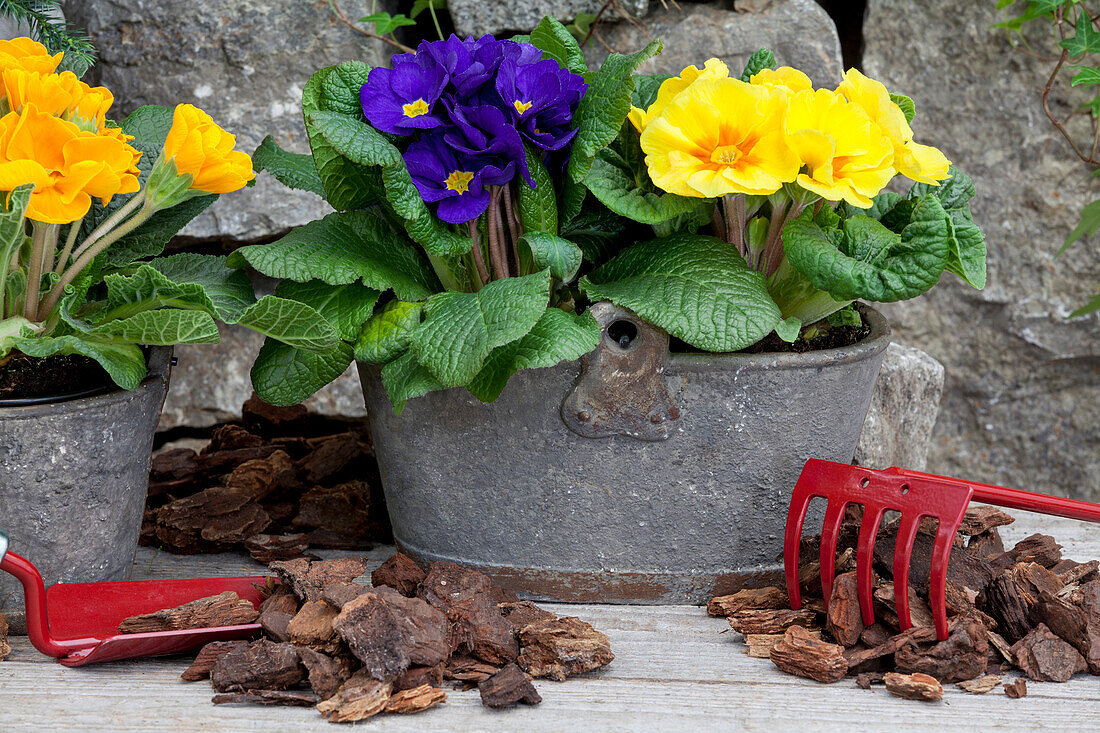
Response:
column 675, row 670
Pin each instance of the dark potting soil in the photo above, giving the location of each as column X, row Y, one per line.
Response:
column 829, row 337
column 23, row 376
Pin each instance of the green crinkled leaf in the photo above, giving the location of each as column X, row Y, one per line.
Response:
column 695, row 287
column 13, row 209
column 340, row 88
column 762, row 59
column 405, row 378
column 597, row 233
column 460, row 329
column 967, row 253
column 646, row 87
column 229, row 290
column 284, row 375
column 603, row 108
column 346, row 307
column 538, row 206
column 555, row 42
column 293, row 170
column 295, row 324
column 346, row 185
column 124, row 362
column 362, row 144
column 340, row 249
column 560, row 256
column 388, row 332
column 163, row 327
column 913, row 260
column 630, row 193
column 145, row 290
column 906, row 104
column 556, row 337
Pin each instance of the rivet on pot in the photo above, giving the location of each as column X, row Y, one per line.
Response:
column 584, row 416
column 656, row 418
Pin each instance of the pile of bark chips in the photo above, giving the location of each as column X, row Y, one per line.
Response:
column 354, row 650
column 1026, row 608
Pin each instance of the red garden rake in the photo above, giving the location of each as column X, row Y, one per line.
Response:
column 78, row 622
column 915, row 495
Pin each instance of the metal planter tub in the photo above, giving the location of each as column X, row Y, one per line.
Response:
column 73, row 476
column 631, row 476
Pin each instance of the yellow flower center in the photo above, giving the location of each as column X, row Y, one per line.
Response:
column 521, row 107
column 459, row 181
column 725, row 154
column 415, row 109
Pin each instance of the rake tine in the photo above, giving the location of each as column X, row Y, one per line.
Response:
column 941, row 553
column 792, row 544
column 868, row 530
column 830, row 531
column 903, row 549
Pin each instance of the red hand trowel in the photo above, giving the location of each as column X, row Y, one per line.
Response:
column 78, row 622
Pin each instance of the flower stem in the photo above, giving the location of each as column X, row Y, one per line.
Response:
column 111, row 222
column 34, row 271
column 496, row 246
column 70, row 243
column 479, row 259
column 514, row 227
column 90, row 254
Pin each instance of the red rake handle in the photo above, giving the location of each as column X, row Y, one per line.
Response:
column 1028, row 501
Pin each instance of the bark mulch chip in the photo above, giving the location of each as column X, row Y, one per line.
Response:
column 1025, row 608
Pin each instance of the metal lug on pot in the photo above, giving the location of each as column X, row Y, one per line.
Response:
column 621, row 390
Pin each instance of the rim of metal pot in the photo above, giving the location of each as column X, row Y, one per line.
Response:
column 875, row 342
column 157, row 364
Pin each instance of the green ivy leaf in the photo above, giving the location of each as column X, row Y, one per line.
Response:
column 385, row 23
column 1086, row 227
column 695, row 287
column 460, row 329
column 388, row 332
column 346, row 307
column 556, row 43
column 865, row 260
column 293, row 170
column 603, row 108
column 762, row 59
column 284, row 375
column 343, row 248
column 556, row 337
column 548, row 252
column 1085, row 39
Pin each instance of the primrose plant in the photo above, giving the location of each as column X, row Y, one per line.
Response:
column 89, row 201
column 486, row 191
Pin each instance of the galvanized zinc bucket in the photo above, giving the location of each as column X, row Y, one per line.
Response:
column 73, row 476
column 631, row 476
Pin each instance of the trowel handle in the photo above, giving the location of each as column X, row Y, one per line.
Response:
column 3, row 544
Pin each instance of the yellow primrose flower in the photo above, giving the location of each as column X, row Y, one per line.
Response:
column 846, row 154
column 720, row 136
column 24, row 53
column 784, row 78
column 67, row 165
column 670, row 88
column 205, row 151
column 922, row 163
column 63, row 95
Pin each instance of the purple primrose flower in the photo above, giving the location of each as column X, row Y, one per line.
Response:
column 541, row 98
column 403, row 99
column 457, row 182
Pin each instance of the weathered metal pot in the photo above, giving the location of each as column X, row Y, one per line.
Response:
column 631, row 476
column 73, row 476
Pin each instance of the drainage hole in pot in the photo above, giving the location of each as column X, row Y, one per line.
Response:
column 622, row 333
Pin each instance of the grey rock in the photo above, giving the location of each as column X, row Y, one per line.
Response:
column 904, row 405
column 799, row 32
column 245, row 63
column 1022, row 396
column 210, row 382
column 478, row 17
